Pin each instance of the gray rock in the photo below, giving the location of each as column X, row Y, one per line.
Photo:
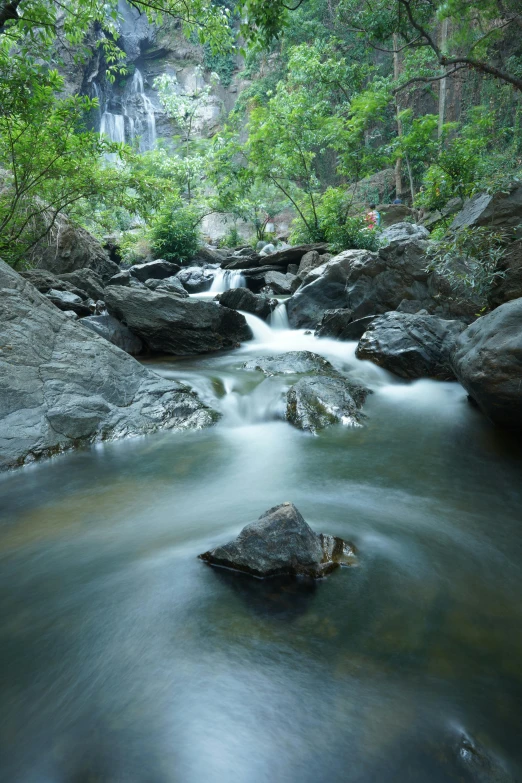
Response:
column 293, row 255
column 87, row 280
column 245, row 300
column 309, row 261
column 74, row 248
column 122, row 278
column 317, row 402
column 293, row 269
column 268, row 249
column 487, row 361
column 409, row 306
column 71, row 315
column 62, row 386
column 340, row 325
column 291, row 363
column 241, row 262
column 154, row 270
column 404, row 232
column 508, row 286
column 280, row 283
column 44, row 281
column 502, row 210
column 172, row 325
column 65, row 300
column 280, row 542
column 411, row 345
column 115, row 332
column 171, row 285
column 392, row 214
column 195, row 279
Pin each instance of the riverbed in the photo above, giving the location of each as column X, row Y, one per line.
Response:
column 125, row 659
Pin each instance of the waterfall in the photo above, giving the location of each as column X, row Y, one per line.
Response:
column 279, row 317
column 138, row 117
column 227, row 278
column 96, row 93
column 261, row 331
column 140, row 112
column 113, row 126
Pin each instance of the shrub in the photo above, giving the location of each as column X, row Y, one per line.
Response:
column 174, row 233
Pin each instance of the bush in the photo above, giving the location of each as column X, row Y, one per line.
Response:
column 471, row 258
column 135, row 247
column 174, row 233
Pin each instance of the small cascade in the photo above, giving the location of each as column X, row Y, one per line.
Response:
column 112, row 126
column 96, row 93
column 139, row 112
column 279, row 317
column 261, row 331
column 224, row 279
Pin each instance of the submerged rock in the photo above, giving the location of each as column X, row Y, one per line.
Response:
column 281, row 542
column 317, row 402
column 291, row 363
column 170, row 324
column 63, row 386
column 487, row 361
column 248, row 302
column 411, row 345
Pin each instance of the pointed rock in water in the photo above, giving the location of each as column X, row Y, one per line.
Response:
column 317, row 402
column 291, row 363
column 280, row 542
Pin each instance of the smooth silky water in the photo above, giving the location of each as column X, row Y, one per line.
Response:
column 126, row 659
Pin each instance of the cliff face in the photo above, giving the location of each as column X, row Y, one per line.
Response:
column 130, row 108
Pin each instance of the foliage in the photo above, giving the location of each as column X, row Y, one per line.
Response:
column 174, row 233
column 336, row 226
column 469, row 257
column 221, row 63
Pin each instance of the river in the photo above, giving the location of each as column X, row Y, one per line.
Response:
column 125, row 659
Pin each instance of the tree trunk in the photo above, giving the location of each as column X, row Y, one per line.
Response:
column 396, row 74
column 443, row 82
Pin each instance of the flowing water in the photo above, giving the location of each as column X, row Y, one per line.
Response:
column 224, row 279
column 125, row 659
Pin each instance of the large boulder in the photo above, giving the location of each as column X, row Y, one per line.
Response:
column 115, row 332
column 248, row 302
column 374, row 283
column 487, row 360
column 316, row 402
column 501, row 210
column 508, row 285
column 291, row 363
column 87, row 280
column 65, row 300
column 172, row 325
column 280, row 283
column 154, row 270
column 241, row 262
column 62, row 386
column 44, row 281
column 393, row 213
column 196, row 279
column 171, row 285
column 293, row 255
column 280, row 542
column 411, row 346
column 311, row 260
column 74, row 248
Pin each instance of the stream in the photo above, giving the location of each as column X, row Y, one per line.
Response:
column 125, row 659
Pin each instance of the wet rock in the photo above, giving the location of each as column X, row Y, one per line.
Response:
column 487, row 360
column 115, row 332
column 171, row 285
column 172, row 325
column 245, row 300
column 154, row 270
column 62, row 385
column 501, row 210
column 411, row 345
column 280, row 283
column 279, row 543
column 196, row 279
column 65, row 300
column 483, row 766
column 317, row 402
column 86, row 280
column 291, row 363
column 508, row 286
column 339, row 324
